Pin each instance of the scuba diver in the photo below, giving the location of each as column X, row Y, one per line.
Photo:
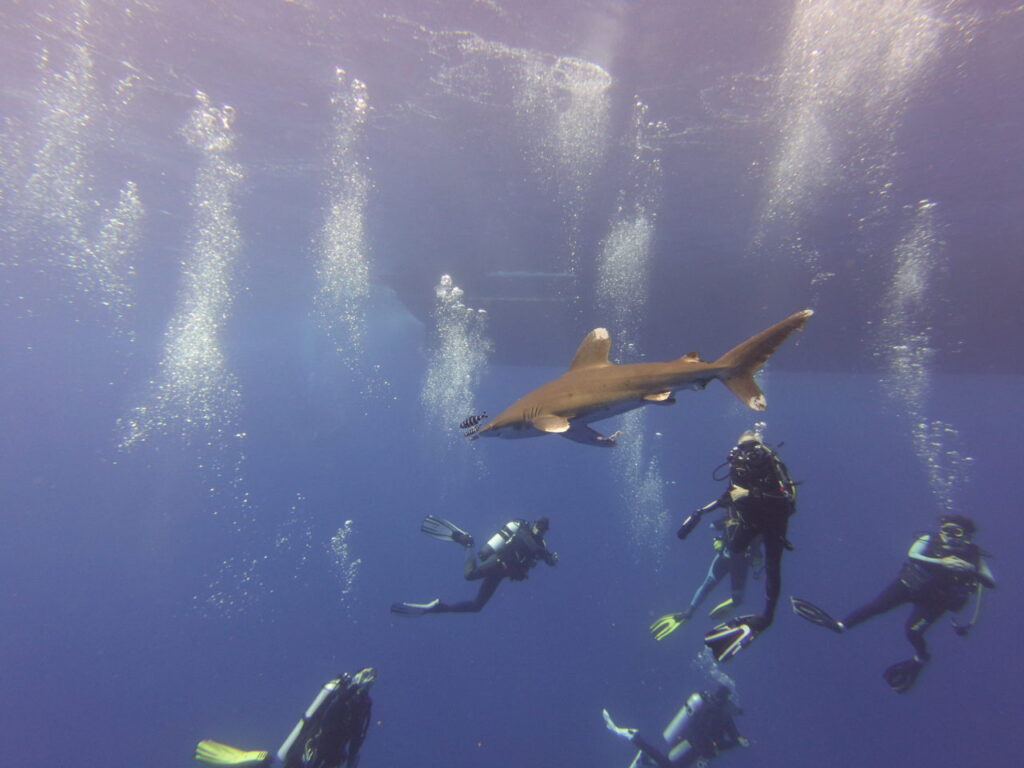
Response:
column 702, row 728
column 329, row 734
column 509, row 553
column 761, row 497
column 736, row 567
column 941, row 572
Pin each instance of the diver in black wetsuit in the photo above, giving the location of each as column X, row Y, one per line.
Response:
column 509, row 553
column 701, row 729
column 329, row 735
column 761, row 498
column 942, row 571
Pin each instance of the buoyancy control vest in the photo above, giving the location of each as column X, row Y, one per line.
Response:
column 764, row 475
column 934, row 581
column 514, row 547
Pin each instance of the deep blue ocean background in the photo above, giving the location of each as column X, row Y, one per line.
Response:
column 233, row 367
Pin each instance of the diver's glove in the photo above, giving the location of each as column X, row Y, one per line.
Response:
column 667, row 624
column 552, row 558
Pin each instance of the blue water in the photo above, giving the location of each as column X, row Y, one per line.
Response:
column 219, row 326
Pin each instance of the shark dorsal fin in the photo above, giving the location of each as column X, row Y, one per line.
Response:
column 691, row 357
column 593, row 350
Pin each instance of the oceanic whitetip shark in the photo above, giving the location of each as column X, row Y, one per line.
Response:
column 595, row 388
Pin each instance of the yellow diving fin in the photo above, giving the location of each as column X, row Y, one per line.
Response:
column 667, row 624
column 722, row 608
column 214, row 753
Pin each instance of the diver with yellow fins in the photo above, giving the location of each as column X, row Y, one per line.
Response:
column 329, row 734
column 510, row 553
column 722, row 564
column 942, row 571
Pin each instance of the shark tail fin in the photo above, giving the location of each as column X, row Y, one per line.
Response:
column 743, row 361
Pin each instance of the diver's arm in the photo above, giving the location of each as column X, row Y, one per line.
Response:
column 549, row 557
column 951, row 561
column 985, row 575
column 919, row 547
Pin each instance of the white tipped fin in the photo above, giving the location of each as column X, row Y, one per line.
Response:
column 553, row 424
column 593, row 350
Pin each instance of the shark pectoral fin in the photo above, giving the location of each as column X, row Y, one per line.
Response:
column 551, row 423
column 661, row 398
column 593, row 350
column 746, row 389
column 581, row 433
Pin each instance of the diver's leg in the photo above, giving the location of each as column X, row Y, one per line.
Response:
column 472, row 570
column 919, row 622
column 738, row 571
column 651, row 751
column 774, row 546
column 719, row 566
column 894, row 595
column 486, row 591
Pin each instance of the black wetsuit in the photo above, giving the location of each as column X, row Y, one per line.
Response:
column 332, row 739
column 932, row 589
column 513, row 561
column 765, row 512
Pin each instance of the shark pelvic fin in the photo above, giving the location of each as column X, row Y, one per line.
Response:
column 743, row 361
column 581, row 433
column 664, row 398
column 551, row 423
column 593, row 350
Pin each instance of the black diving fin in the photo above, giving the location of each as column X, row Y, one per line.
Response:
column 730, row 637
column 815, row 615
column 445, row 530
column 902, row 675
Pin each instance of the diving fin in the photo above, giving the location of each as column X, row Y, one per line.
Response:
column 414, row 609
column 214, row 753
column 730, row 637
column 722, row 608
column 445, row 530
column 815, row 615
column 902, row 675
column 622, row 733
column 667, row 624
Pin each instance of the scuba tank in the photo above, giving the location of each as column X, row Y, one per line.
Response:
column 499, row 541
column 675, row 731
column 329, row 689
